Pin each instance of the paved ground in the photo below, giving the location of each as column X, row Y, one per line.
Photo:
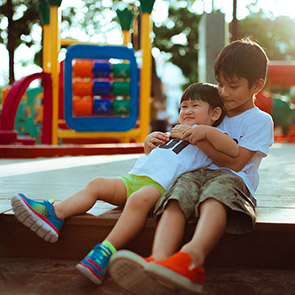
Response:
column 41, row 277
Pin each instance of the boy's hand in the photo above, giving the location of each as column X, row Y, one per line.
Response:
column 181, row 131
column 154, row 139
column 196, row 133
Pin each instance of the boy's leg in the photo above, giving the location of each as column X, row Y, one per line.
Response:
column 184, row 269
column 127, row 269
column 46, row 219
column 129, row 224
column 219, row 191
column 169, row 232
column 110, row 190
column 210, row 227
column 133, row 216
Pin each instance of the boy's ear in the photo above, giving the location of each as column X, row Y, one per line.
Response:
column 259, row 84
column 216, row 113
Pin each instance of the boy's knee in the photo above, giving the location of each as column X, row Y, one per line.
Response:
column 94, row 183
column 211, row 202
column 97, row 187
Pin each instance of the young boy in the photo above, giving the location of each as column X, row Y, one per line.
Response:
column 221, row 196
column 143, row 186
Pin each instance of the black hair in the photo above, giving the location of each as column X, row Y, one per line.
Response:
column 206, row 92
column 244, row 59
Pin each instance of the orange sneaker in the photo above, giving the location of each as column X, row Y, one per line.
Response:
column 178, row 271
column 127, row 269
column 148, row 259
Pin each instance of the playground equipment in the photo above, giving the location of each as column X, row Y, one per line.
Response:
column 281, row 75
column 7, row 133
column 29, row 116
column 280, row 110
column 28, row 121
column 102, row 106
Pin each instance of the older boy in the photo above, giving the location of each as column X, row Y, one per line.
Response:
column 222, row 195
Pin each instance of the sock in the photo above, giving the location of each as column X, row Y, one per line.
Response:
column 109, row 245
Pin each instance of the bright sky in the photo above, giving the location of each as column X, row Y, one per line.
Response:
column 274, row 7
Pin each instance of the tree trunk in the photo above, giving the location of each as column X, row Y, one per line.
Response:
column 235, row 31
column 11, row 43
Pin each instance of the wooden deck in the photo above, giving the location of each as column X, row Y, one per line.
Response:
column 270, row 248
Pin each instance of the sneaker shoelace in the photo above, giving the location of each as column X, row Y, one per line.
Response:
column 40, row 208
column 100, row 255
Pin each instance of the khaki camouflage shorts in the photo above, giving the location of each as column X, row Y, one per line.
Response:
column 192, row 188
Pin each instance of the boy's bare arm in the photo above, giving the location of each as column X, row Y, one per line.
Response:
column 220, row 158
column 223, row 160
column 220, row 141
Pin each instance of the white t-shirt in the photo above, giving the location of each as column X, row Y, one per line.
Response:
column 253, row 130
column 166, row 162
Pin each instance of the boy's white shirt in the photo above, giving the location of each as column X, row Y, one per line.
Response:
column 164, row 165
column 253, row 130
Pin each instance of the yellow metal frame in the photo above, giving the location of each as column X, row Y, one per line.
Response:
column 123, row 136
column 46, row 48
column 145, row 85
column 55, row 48
column 126, row 37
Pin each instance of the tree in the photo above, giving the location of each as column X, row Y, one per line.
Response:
column 276, row 35
column 20, row 16
column 234, row 23
column 184, row 24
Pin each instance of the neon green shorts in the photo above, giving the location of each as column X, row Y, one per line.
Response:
column 134, row 183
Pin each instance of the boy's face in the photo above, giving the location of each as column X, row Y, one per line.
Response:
column 195, row 112
column 236, row 94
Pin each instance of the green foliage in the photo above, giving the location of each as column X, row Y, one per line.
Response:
column 276, row 35
column 181, row 22
column 20, row 16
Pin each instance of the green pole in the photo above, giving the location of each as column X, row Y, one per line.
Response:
column 54, row 2
column 44, row 11
column 126, row 18
column 147, row 5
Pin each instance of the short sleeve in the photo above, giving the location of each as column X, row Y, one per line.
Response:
column 258, row 135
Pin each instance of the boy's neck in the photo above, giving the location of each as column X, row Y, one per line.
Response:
column 240, row 110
